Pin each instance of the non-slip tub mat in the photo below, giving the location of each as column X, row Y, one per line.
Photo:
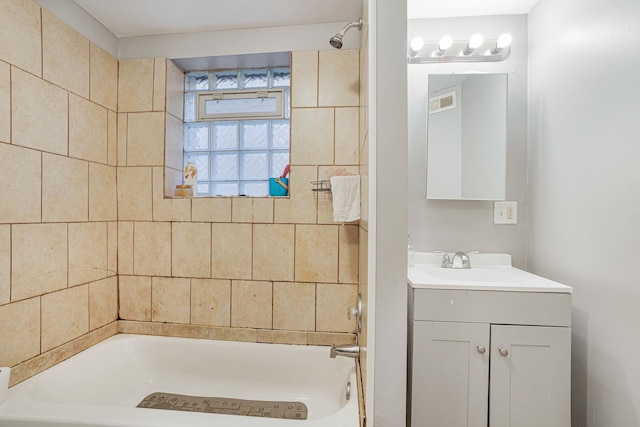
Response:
column 222, row 405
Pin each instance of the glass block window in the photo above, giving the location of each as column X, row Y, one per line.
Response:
column 236, row 156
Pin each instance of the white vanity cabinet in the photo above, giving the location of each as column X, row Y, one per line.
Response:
column 489, row 356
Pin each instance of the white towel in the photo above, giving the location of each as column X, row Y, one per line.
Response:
column 346, row 198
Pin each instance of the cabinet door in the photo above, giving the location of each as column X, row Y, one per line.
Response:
column 450, row 374
column 530, row 377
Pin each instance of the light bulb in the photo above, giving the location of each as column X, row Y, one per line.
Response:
column 504, row 41
column 445, row 43
column 475, row 41
column 417, row 43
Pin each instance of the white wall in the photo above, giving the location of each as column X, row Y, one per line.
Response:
column 387, row 340
column 468, row 225
column 237, row 42
column 584, row 164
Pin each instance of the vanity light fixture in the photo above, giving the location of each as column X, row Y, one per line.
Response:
column 504, row 41
column 443, row 45
column 417, row 43
column 473, row 49
column 474, row 42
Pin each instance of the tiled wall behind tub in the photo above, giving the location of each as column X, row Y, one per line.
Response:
column 86, row 224
column 251, row 269
column 58, row 216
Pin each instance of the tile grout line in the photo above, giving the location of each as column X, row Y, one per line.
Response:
column 68, row 263
column 89, row 96
column 88, row 192
column 230, row 302
column 316, row 200
column 151, row 301
column 317, row 78
column 41, row 44
column 190, row 310
column 10, row 103
column 253, row 252
column 153, row 193
column 10, row 263
column 335, row 133
column 153, row 85
column 340, row 229
column 315, row 297
column 117, row 275
column 68, row 123
column 41, row 186
column 41, row 323
column 133, row 248
column 88, row 312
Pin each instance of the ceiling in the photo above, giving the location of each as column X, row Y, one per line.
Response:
column 130, row 18
column 418, row 9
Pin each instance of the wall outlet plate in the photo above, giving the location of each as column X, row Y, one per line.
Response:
column 505, row 212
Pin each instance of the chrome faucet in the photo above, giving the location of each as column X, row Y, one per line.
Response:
column 348, row 350
column 461, row 259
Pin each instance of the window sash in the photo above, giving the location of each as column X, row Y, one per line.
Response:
column 236, row 100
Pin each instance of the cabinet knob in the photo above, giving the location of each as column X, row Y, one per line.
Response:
column 481, row 349
column 503, row 351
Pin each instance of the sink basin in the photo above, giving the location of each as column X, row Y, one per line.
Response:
column 488, row 272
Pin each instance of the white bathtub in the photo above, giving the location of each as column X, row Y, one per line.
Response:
column 102, row 385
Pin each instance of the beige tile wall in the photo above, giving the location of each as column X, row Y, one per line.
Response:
column 39, row 113
column 87, row 235
column 65, row 56
column 270, row 269
column 58, row 221
column 5, row 102
column 21, row 35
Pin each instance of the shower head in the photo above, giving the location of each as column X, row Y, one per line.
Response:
column 336, row 41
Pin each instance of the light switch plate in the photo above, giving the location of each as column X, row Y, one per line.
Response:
column 505, row 212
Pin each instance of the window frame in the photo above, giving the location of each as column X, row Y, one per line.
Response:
column 197, row 92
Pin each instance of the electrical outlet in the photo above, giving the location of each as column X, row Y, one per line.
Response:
column 505, row 212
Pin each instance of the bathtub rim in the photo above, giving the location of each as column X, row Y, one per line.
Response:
column 14, row 408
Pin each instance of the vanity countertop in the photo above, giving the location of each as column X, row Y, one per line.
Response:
column 488, row 272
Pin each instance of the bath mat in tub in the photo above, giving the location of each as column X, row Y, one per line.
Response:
column 223, row 405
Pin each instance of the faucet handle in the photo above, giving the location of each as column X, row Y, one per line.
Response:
column 356, row 313
column 446, row 262
column 469, row 258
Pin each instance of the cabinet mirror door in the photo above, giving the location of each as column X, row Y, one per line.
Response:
column 467, row 137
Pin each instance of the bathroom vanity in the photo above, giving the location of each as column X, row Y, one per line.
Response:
column 488, row 346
